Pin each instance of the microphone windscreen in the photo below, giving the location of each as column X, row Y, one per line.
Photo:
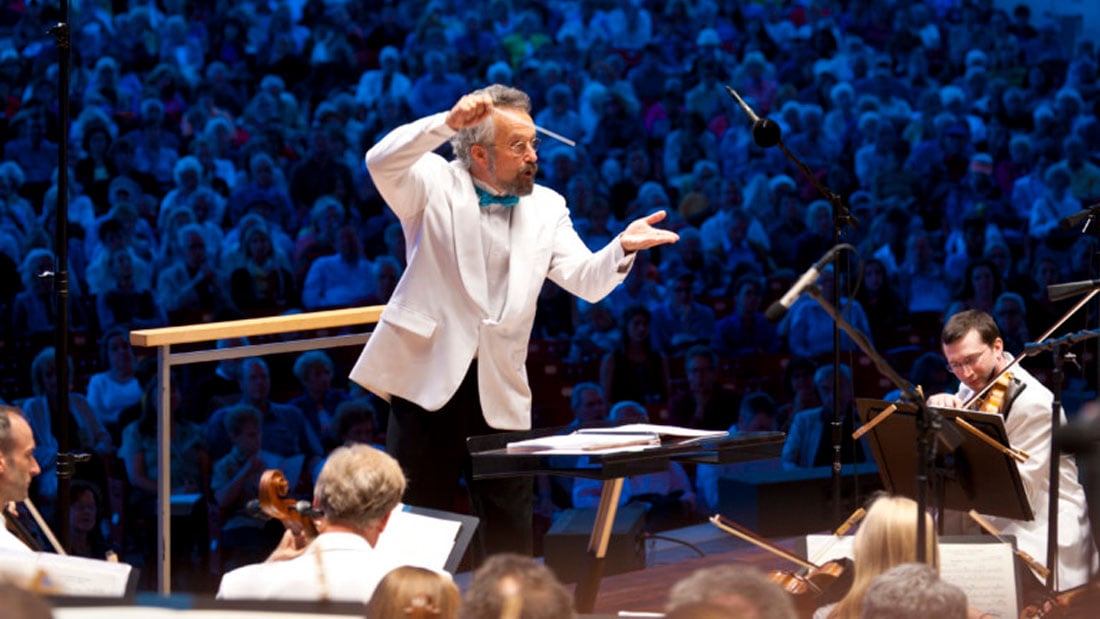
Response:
column 775, row 312
column 765, row 132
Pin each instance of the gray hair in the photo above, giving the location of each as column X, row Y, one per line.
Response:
column 912, row 590
column 722, row 584
column 502, row 96
column 309, row 359
column 359, row 485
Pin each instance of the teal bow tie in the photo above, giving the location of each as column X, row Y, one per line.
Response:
column 484, row 198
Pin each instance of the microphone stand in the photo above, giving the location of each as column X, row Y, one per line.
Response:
column 930, row 424
column 66, row 462
column 767, row 133
column 1059, row 347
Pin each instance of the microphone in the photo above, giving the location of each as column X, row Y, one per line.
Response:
column 253, row 509
column 1057, row 292
column 1072, row 220
column 780, row 307
column 765, row 132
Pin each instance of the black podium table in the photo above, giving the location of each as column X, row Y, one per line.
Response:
column 492, row 459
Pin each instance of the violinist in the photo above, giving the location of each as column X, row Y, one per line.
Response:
column 975, row 353
column 356, row 491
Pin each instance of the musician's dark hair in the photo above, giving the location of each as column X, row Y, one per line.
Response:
column 963, row 322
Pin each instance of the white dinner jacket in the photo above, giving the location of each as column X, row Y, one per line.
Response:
column 438, row 320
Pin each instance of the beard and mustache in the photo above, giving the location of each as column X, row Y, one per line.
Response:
column 522, row 184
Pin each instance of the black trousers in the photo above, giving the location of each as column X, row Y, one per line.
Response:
column 431, row 447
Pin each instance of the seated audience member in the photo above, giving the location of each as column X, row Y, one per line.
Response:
column 355, row 494
column 127, row 303
column 218, row 388
column 286, row 431
column 885, row 538
column 262, row 282
column 589, row 406
column 635, row 370
column 681, row 321
column 739, row 590
column 353, row 424
column 799, row 387
column 44, row 416
column 189, row 467
column 757, row 414
column 414, row 592
column 886, row 313
column 117, row 388
column 85, row 522
column 246, row 536
column 912, row 591
column 808, row 443
column 509, row 580
column 705, row 404
column 668, row 495
column 596, row 335
column 745, row 331
column 191, row 283
column 34, row 309
column 809, row 327
column 319, row 398
column 341, row 279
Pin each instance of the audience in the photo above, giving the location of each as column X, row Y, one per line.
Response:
column 975, row 125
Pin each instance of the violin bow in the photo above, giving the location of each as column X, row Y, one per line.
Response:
column 1035, row 566
column 737, row 530
column 840, row 532
column 1073, row 310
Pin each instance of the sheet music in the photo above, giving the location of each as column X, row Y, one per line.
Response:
column 418, row 539
column 986, row 572
column 66, row 575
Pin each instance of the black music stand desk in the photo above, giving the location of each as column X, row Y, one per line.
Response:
column 976, row 476
column 492, row 459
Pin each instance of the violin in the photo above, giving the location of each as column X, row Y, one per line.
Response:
column 812, row 587
column 297, row 516
column 994, row 397
column 1077, row 602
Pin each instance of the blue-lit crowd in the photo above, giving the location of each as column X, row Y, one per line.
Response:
column 215, row 154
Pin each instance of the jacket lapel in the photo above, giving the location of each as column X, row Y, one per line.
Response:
column 469, row 255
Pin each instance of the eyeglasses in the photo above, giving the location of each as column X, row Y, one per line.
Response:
column 519, row 147
column 957, row 366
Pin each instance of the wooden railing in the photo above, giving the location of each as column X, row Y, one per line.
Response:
column 193, row 337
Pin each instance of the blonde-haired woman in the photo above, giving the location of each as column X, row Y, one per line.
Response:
column 887, row 537
column 415, row 593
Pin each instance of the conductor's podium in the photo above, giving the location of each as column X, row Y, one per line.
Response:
column 763, row 497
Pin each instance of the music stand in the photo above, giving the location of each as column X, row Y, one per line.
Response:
column 1000, row 493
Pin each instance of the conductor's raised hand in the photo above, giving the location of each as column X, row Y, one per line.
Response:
column 469, row 111
column 641, row 234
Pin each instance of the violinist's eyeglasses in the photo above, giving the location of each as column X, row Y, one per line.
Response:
column 957, row 366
